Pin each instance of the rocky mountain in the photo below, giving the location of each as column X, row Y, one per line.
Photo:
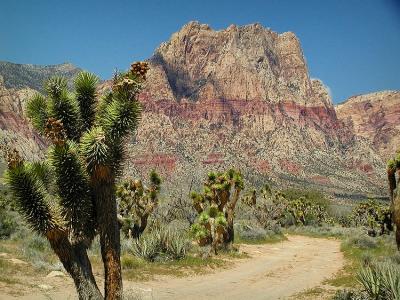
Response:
column 18, row 82
column 21, row 76
column 243, row 97
column 240, row 97
column 375, row 117
column 15, row 130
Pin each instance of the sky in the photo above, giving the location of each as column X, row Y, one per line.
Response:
column 353, row 46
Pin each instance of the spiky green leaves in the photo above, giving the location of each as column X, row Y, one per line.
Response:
column 37, row 111
column 155, row 179
column 64, row 108
column 136, row 202
column 31, row 199
column 55, row 86
column 218, row 201
column 95, row 151
column 73, row 190
column 120, row 117
column 85, row 87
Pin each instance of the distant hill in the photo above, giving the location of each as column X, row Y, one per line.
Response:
column 21, row 76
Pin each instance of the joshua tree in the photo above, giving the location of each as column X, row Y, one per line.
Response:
column 216, row 206
column 268, row 207
column 135, row 204
column 394, row 184
column 70, row 196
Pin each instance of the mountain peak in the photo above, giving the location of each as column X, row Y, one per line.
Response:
column 247, row 62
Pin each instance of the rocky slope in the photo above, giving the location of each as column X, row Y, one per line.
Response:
column 240, row 97
column 243, row 97
column 375, row 117
column 15, row 130
column 21, row 76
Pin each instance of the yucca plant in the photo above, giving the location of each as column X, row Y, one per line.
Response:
column 371, row 280
column 393, row 173
column 136, row 202
column 216, row 208
column 380, row 280
column 69, row 197
column 147, row 247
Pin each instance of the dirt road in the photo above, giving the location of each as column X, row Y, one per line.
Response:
column 275, row 271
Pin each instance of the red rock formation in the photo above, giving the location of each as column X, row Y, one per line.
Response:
column 242, row 97
column 245, row 92
column 375, row 117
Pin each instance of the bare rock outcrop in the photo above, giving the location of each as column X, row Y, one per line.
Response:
column 242, row 97
column 15, row 130
column 375, row 117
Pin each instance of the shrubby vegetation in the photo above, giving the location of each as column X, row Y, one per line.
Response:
column 216, row 209
column 76, row 206
column 135, row 204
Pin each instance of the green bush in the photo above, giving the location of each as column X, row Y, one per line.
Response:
column 161, row 244
column 8, row 223
column 128, row 262
column 349, row 295
column 373, row 215
column 380, row 281
column 361, row 241
column 9, row 219
column 247, row 232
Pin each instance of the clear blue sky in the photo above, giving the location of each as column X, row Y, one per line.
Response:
column 352, row 45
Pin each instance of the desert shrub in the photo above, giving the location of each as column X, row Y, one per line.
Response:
column 308, row 212
column 136, row 201
column 380, row 280
column 9, row 219
column 128, row 262
column 175, row 207
column 8, row 223
column 372, row 215
column 161, row 244
column 350, row 295
column 361, row 241
column 36, row 250
column 251, row 232
column 216, row 206
column 146, row 247
column 293, row 207
column 340, row 213
column 313, row 196
column 324, row 231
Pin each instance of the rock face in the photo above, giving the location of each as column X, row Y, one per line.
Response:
column 18, row 83
column 375, row 117
column 21, row 76
column 240, row 97
column 14, row 128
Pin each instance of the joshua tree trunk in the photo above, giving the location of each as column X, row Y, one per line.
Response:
column 75, row 260
column 396, row 213
column 229, row 215
column 106, row 209
column 138, row 229
column 395, row 201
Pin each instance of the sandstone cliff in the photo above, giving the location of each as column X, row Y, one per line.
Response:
column 375, row 117
column 240, row 97
column 243, row 97
column 14, row 128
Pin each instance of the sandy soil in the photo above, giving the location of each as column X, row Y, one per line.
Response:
column 276, row 271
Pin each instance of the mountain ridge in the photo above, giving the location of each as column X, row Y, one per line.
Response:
column 242, row 97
